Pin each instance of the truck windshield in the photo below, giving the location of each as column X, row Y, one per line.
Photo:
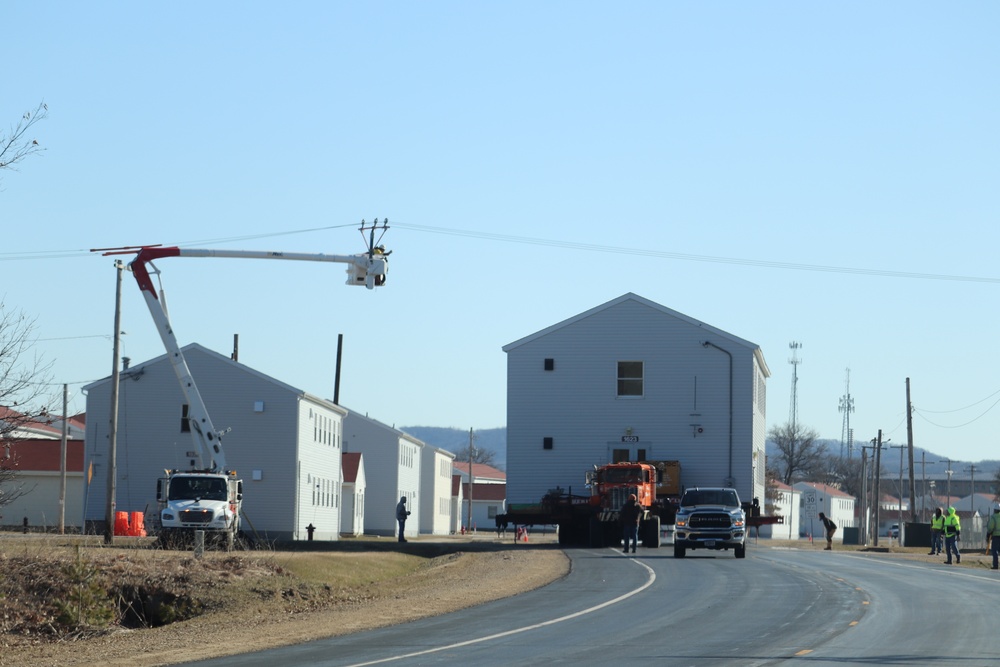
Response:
column 724, row 497
column 191, row 488
column 622, row 475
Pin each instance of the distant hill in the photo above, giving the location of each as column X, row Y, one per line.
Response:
column 924, row 462
column 457, row 440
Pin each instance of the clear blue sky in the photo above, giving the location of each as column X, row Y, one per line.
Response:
column 783, row 171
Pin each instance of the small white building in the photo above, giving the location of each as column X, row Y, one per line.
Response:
column 487, row 501
column 393, row 462
column 834, row 503
column 435, row 489
column 632, row 380
column 283, row 442
column 785, row 505
column 352, row 517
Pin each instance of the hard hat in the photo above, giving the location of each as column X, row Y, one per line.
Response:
column 631, row 496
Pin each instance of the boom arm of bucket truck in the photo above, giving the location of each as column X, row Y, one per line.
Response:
column 368, row 269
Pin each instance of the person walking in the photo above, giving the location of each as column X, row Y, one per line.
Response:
column 937, row 525
column 630, row 515
column 993, row 534
column 401, row 514
column 952, row 536
column 830, row 527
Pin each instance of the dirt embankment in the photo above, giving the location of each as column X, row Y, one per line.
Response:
column 62, row 604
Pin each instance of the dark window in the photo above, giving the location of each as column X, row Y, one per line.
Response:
column 546, row 443
column 630, row 378
column 550, row 364
column 185, row 420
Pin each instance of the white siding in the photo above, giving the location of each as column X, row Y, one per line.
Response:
column 435, row 491
column 266, row 440
column 683, row 413
column 392, row 466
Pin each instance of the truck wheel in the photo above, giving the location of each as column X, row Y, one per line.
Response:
column 678, row 551
column 741, row 551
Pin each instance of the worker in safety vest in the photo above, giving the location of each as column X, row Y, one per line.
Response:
column 937, row 525
column 993, row 534
column 952, row 535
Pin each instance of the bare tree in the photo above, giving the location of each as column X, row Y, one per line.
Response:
column 479, row 455
column 799, row 455
column 18, row 144
column 26, row 398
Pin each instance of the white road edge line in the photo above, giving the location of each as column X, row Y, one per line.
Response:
column 499, row 635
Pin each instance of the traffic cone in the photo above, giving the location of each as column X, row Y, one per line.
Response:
column 525, row 534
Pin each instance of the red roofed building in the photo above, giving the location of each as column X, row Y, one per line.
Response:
column 488, row 500
column 37, row 462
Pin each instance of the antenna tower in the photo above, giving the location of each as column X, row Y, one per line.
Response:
column 793, row 408
column 847, row 407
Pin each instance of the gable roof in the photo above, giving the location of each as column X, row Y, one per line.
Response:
column 478, row 470
column 25, row 424
column 350, row 462
column 825, row 488
column 197, row 348
column 630, row 296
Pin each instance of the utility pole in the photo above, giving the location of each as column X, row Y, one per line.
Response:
column 878, row 482
column 972, row 494
column 899, row 505
column 909, row 444
column 109, row 513
column 470, row 481
column 62, row 462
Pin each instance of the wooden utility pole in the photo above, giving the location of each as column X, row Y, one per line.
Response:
column 469, row 524
column 109, row 513
column 878, row 483
column 62, row 463
column 909, row 444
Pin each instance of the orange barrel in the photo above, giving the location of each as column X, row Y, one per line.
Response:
column 121, row 523
column 136, row 525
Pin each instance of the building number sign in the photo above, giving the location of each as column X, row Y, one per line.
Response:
column 630, row 438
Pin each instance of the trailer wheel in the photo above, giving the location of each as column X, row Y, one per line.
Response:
column 741, row 551
column 678, row 551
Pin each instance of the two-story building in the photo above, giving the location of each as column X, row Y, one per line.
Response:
column 633, row 380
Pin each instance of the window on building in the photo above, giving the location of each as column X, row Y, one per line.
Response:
column 630, row 378
column 185, row 424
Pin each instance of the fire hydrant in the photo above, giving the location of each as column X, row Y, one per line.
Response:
column 310, row 529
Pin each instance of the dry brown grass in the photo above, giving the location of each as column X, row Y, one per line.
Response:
column 73, row 601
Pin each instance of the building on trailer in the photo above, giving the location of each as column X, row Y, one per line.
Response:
column 634, row 380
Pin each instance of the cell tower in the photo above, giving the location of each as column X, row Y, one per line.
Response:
column 793, row 408
column 847, row 407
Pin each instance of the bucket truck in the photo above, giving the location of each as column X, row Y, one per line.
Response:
column 208, row 495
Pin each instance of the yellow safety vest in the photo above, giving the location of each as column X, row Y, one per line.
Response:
column 952, row 525
column 937, row 522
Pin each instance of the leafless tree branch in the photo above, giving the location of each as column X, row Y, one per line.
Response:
column 18, row 144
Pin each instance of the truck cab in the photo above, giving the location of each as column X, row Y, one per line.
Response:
column 710, row 518
column 199, row 500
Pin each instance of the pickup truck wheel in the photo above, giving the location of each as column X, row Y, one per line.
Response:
column 741, row 551
column 678, row 552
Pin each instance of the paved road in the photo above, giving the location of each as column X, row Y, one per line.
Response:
column 775, row 607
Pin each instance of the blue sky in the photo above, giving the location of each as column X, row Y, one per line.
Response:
column 824, row 174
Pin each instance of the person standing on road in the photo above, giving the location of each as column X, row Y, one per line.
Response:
column 937, row 525
column 401, row 514
column 952, row 535
column 993, row 534
column 830, row 527
column 630, row 515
